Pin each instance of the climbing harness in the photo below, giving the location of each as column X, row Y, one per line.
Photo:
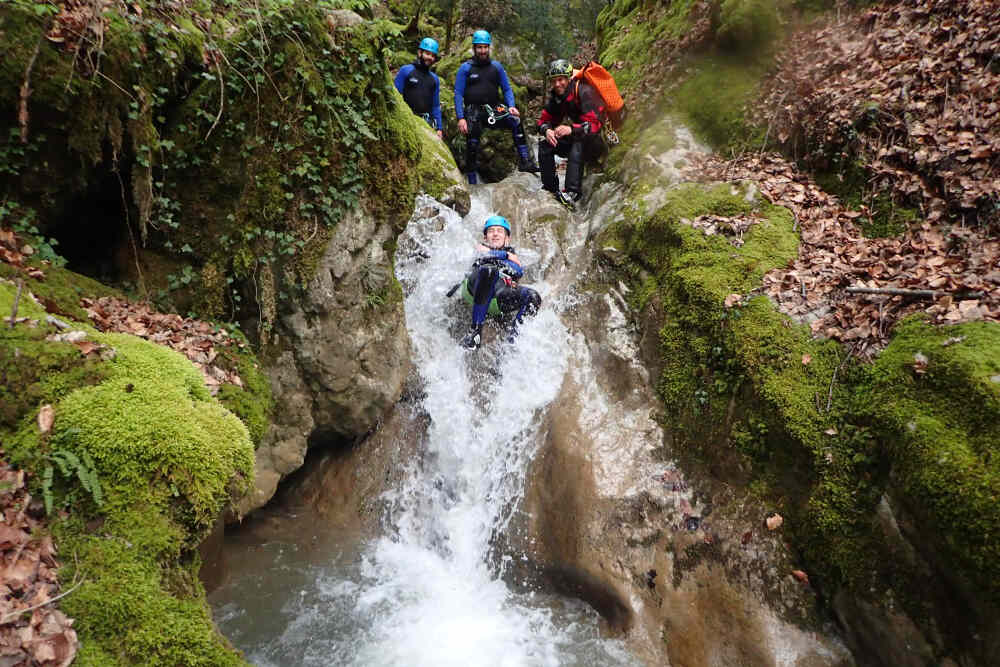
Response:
column 494, row 114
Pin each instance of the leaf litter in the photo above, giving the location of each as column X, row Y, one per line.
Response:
column 909, row 91
column 32, row 630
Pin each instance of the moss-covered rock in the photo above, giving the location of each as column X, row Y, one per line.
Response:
column 754, row 397
column 886, row 476
column 168, row 458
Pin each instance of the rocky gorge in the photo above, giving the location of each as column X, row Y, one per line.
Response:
column 719, row 484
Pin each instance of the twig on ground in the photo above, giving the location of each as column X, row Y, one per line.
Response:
column 17, row 300
column 833, row 378
column 916, row 293
column 17, row 612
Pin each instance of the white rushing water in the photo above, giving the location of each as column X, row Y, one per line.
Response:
column 430, row 591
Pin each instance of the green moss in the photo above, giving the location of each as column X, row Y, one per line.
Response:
column 756, row 399
column 169, row 457
column 126, row 611
column 436, row 168
column 713, row 100
column 848, row 179
column 629, row 32
column 748, row 25
column 34, row 372
column 747, row 389
column 60, row 290
column 942, row 427
column 252, row 402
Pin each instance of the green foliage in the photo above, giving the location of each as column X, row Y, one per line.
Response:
column 279, row 172
column 253, row 402
column 713, row 99
column 158, row 457
column 69, row 466
column 629, row 32
column 748, row 25
column 242, row 134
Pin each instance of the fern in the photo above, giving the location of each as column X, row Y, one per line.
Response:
column 88, row 477
column 69, row 466
column 47, row 475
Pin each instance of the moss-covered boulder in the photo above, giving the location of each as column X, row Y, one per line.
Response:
column 139, row 462
column 885, row 475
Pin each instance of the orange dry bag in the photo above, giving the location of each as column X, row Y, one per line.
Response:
column 602, row 81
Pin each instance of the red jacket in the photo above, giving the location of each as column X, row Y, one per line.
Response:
column 581, row 105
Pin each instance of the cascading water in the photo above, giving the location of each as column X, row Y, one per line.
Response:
column 430, row 590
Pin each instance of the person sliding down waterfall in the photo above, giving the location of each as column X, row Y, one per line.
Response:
column 491, row 287
column 478, row 84
column 579, row 103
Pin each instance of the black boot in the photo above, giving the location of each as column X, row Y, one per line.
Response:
column 474, row 338
column 527, row 164
column 568, row 198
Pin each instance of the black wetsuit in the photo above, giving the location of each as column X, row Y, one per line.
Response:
column 583, row 106
column 478, row 83
column 491, row 288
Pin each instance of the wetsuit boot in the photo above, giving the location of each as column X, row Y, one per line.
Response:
column 482, row 286
column 474, row 338
column 472, row 158
column 526, row 161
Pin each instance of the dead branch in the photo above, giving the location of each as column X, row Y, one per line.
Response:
column 131, row 236
column 17, row 612
column 17, row 299
column 833, row 378
column 22, row 109
column 222, row 98
column 915, row 293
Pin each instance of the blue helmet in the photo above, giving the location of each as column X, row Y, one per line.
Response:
column 496, row 221
column 428, row 44
column 481, row 37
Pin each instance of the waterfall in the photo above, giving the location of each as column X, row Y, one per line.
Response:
column 430, row 591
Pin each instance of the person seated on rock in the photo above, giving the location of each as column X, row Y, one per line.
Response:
column 420, row 87
column 579, row 140
column 478, row 85
column 491, row 286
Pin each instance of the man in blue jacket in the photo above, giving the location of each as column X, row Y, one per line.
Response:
column 492, row 288
column 479, row 83
column 421, row 87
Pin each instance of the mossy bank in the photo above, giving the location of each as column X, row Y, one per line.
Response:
column 167, row 458
column 885, row 471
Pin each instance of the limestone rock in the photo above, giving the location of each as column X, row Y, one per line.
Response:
column 344, row 354
column 342, row 18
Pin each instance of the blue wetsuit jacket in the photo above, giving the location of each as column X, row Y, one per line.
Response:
column 421, row 88
column 481, row 83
